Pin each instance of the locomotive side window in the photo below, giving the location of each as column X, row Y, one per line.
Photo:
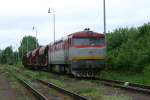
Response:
column 88, row 41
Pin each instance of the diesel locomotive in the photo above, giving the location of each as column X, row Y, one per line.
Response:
column 81, row 54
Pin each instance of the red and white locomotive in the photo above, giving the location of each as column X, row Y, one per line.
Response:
column 81, row 54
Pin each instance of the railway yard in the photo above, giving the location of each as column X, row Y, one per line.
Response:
column 20, row 83
column 75, row 50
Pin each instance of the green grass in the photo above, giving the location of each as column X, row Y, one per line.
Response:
column 91, row 91
column 116, row 98
column 30, row 75
column 140, row 78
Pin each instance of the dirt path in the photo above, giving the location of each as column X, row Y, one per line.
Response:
column 6, row 93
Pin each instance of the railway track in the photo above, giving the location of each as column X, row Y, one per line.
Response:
column 63, row 91
column 126, row 85
column 65, row 95
column 130, row 87
column 42, row 95
column 36, row 93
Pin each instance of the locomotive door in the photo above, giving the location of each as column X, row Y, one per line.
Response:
column 66, row 50
column 66, row 54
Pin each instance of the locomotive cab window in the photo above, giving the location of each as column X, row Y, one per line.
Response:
column 88, row 41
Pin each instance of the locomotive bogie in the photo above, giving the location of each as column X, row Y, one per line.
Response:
column 87, row 68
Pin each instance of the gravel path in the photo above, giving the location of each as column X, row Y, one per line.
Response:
column 6, row 93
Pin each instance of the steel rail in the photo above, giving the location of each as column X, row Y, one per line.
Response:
column 127, row 85
column 74, row 95
column 34, row 91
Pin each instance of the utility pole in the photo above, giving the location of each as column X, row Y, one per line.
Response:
column 53, row 11
column 21, row 50
column 104, row 8
column 27, row 43
column 17, row 53
column 36, row 32
column 36, row 37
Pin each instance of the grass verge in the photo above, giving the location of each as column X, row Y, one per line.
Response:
column 124, row 76
column 82, row 87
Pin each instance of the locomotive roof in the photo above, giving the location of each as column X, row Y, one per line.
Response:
column 87, row 33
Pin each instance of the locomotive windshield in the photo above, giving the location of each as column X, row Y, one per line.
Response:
column 89, row 41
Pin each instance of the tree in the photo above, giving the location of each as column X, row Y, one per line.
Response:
column 119, row 36
column 28, row 43
column 16, row 57
column 7, row 56
column 1, row 56
column 129, row 49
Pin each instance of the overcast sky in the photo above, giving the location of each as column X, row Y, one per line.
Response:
column 17, row 17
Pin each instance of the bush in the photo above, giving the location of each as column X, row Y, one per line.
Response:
column 129, row 49
column 147, row 70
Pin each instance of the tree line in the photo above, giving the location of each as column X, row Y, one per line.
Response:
column 129, row 49
column 8, row 56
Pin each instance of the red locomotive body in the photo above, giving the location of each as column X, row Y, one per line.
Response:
column 81, row 54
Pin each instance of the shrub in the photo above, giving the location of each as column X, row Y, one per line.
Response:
column 129, row 49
